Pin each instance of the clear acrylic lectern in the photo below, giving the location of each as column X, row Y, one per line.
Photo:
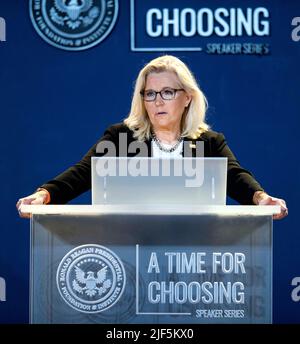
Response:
column 151, row 263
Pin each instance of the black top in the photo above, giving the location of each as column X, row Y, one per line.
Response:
column 241, row 184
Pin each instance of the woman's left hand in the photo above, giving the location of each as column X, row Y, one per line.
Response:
column 262, row 198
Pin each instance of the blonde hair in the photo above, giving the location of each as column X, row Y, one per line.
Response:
column 193, row 119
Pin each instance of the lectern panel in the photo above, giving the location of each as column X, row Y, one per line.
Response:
column 118, row 268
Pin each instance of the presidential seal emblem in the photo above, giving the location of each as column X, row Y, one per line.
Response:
column 90, row 278
column 73, row 24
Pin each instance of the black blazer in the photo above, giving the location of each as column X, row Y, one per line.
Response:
column 241, row 184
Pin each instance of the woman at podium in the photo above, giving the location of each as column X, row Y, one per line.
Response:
column 168, row 109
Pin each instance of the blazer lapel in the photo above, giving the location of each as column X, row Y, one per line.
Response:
column 149, row 146
column 191, row 147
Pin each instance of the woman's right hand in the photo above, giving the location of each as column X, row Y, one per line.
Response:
column 39, row 197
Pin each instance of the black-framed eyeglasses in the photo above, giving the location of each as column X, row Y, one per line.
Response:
column 167, row 93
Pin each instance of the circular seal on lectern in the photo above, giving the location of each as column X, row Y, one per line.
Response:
column 73, row 24
column 91, row 278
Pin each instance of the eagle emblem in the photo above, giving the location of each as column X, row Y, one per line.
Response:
column 90, row 278
column 70, row 13
column 91, row 285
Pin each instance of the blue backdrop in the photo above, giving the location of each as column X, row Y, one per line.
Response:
column 56, row 103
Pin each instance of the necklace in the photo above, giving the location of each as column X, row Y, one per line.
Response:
column 164, row 149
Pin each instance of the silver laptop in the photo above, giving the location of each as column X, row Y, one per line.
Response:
column 154, row 181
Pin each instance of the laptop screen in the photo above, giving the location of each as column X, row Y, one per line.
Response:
column 123, row 180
